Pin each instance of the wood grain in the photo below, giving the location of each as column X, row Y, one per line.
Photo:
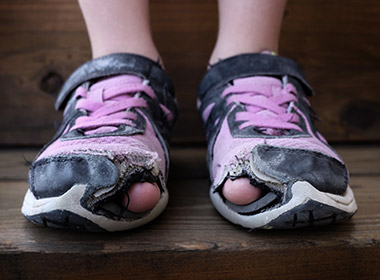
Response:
column 337, row 43
column 190, row 240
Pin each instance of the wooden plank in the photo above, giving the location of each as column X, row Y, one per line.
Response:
column 361, row 160
column 42, row 43
column 360, row 265
column 191, row 240
column 338, row 45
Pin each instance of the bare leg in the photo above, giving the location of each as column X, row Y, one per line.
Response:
column 119, row 26
column 123, row 26
column 246, row 27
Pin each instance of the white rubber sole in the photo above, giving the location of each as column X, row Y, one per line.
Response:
column 321, row 208
column 70, row 202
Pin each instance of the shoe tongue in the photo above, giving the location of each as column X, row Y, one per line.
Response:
column 115, row 81
column 268, row 85
column 101, row 130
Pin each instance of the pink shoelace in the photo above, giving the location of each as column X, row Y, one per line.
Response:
column 108, row 104
column 268, row 104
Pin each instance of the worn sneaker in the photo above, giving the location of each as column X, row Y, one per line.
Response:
column 118, row 112
column 259, row 126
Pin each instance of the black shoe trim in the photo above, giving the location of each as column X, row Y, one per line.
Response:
column 247, row 65
column 312, row 213
column 121, row 63
column 54, row 176
column 64, row 219
column 287, row 165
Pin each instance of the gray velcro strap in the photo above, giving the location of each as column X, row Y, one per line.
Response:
column 116, row 64
column 247, row 65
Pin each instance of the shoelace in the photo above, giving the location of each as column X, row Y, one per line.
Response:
column 108, row 104
column 268, row 104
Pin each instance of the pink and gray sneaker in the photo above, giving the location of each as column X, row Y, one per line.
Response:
column 259, row 126
column 119, row 110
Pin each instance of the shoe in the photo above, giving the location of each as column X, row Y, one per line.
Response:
column 260, row 126
column 118, row 110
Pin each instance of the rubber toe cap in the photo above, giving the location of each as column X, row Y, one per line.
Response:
column 325, row 173
column 53, row 176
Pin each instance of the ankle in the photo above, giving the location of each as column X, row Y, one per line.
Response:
column 221, row 53
column 144, row 50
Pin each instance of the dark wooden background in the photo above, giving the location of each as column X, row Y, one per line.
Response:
column 335, row 41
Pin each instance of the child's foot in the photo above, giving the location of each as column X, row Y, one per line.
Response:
column 106, row 167
column 269, row 166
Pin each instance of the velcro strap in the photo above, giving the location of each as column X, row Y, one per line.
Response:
column 121, row 63
column 247, row 65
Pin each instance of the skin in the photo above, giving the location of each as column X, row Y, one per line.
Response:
column 249, row 26
column 141, row 197
column 240, row 191
column 244, row 27
column 119, row 26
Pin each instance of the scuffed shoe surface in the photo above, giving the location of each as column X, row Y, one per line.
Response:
column 260, row 126
column 115, row 131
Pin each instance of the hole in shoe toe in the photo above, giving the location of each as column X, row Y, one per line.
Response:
column 266, row 201
column 141, row 197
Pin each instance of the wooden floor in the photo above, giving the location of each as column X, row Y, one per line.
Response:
column 190, row 240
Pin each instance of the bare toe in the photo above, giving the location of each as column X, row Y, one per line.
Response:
column 240, row 191
column 141, row 197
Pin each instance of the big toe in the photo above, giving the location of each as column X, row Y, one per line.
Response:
column 141, row 197
column 240, row 191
